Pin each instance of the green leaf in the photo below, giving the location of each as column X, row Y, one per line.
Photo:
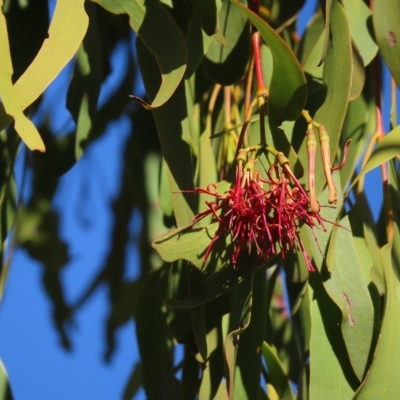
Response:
column 358, row 125
column 166, row 42
column 212, row 287
column 212, row 375
column 11, row 102
column 197, row 43
column 337, row 78
column 5, row 390
column 358, row 74
column 155, row 341
column 287, row 73
column 194, row 278
column 345, row 284
column 327, row 7
column 207, row 14
column 311, row 37
column 84, row 88
column 239, row 321
column 190, row 375
column 276, row 372
column 359, row 16
column 386, row 149
column 226, row 63
column 387, row 32
column 190, row 244
column 248, row 361
column 348, row 289
column 67, row 29
column 331, row 376
column 382, row 378
column 173, row 127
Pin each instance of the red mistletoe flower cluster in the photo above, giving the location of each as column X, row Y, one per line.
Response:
column 266, row 220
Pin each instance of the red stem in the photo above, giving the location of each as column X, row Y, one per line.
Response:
column 254, row 6
column 261, row 89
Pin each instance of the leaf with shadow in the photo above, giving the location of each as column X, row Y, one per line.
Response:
column 225, row 63
column 331, row 374
column 155, row 341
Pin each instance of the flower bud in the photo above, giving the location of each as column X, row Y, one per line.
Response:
column 326, row 159
column 311, row 151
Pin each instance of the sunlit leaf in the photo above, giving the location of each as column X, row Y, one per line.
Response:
column 358, row 74
column 348, row 289
column 386, row 149
column 387, row 33
column 166, row 42
column 382, row 378
column 276, row 372
column 359, row 16
column 331, row 375
column 172, row 125
column 11, row 102
column 67, row 29
column 191, row 245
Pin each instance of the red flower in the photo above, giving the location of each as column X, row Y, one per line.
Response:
column 259, row 219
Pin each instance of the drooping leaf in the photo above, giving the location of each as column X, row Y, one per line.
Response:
column 9, row 96
column 359, row 16
column 326, row 7
column 226, row 63
column 239, row 321
column 348, row 289
column 212, row 375
column 190, row 375
column 345, row 283
column 207, row 14
column 387, row 33
column 5, row 390
column 358, row 74
column 386, row 149
column 172, row 126
column 358, row 125
column 155, row 341
column 331, row 375
column 191, row 245
column 248, row 361
column 166, row 42
column 337, row 78
column 197, row 43
column 67, row 29
column 382, row 377
column 276, row 372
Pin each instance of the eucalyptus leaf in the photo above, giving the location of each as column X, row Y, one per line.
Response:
column 387, row 34
column 56, row 52
column 166, row 42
